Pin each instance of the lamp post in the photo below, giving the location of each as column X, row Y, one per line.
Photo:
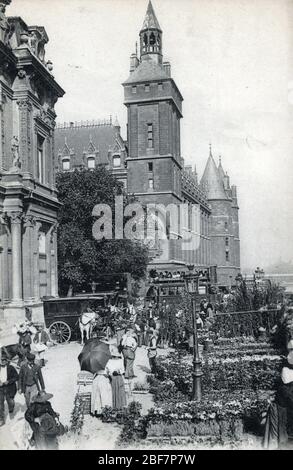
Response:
column 191, row 284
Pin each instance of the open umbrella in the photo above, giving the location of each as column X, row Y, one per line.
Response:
column 94, row 356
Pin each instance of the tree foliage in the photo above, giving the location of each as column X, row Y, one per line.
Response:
column 81, row 258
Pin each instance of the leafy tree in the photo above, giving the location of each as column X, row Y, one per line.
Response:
column 81, row 258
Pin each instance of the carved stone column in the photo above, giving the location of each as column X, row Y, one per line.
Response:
column 4, row 272
column 37, row 227
column 15, row 221
column 28, row 257
column 25, row 108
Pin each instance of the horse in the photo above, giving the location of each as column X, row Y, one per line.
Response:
column 86, row 323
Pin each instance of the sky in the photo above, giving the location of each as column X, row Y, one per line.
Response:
column 233, row 63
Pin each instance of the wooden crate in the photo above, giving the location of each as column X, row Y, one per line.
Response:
column 84, row 389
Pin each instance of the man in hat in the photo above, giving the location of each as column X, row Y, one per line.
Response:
column 152, row 350
column 30, row 379
column 8, row 379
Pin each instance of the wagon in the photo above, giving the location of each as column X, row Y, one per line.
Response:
column 62, row 314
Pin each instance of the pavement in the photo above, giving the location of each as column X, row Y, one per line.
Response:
column 60, row 376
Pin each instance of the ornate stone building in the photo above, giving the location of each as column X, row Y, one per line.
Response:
column 28, row 197
column 89, row 144
column 152, row 168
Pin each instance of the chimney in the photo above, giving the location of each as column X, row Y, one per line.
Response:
column 133, row 62
column 167, row 68
column 226, row 181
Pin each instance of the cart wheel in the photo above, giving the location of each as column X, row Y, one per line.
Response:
column 60, row 332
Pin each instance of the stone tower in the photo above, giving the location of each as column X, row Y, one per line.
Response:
column 28, row 196
column 224, row 226
column 154, row 106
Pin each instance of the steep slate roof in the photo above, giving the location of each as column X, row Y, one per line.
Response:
column 150, row 21
column 147, row 70
column 79, row 138
column 211, row 181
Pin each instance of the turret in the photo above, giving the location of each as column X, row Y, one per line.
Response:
column 151, row 37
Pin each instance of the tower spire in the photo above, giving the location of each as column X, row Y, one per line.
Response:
column 151, row 36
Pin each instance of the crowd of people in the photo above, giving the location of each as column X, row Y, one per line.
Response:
column 26, row 378
column 108, row 388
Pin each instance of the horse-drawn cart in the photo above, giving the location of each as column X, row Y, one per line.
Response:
column 62, row 315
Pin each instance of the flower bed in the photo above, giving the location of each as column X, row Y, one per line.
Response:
column 218, row 414
column 77, row 415
column 121, row 416
column 237, row 373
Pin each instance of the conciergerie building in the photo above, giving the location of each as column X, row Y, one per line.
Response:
column 150, row 164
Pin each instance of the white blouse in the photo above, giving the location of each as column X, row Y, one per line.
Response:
column 287, row 375
column 115, row 365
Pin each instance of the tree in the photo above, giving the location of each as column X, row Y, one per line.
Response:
column 81, row 258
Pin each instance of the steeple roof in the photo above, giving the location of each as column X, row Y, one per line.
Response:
column 220, row 168
column 150, row 21
column 211, row 180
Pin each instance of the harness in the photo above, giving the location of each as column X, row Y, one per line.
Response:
column 86, row 318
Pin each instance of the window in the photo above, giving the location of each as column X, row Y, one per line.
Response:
column 151, row 183
column 42, row 243
column 91, row 163
column 227, row 241
column 160, row 86
column 150, row 166
column 66, row 164
column 227, row 255
column 226, row 225
column 134, row 89
column 41, row 159
column 147, row 88
column 116, row 161
column 150, row 136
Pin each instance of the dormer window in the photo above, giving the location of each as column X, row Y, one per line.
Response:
column 116, row 161
column 91, row 162
column 66, row 164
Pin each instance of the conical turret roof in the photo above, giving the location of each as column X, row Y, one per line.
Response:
column 220, row 168
column 211, row 181
column 150, row 21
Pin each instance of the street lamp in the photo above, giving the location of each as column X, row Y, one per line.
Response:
column 191, row 284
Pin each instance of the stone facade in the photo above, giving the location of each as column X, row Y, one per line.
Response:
column 152, row 168
column 28, row 197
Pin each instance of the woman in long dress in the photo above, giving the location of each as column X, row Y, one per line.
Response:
column 101, row 392
column 115, row 370
column 280, row 414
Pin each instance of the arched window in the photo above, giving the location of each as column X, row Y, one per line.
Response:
column 152, row 42
column 145, row 42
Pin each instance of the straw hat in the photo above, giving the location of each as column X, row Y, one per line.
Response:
column 42, row 397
